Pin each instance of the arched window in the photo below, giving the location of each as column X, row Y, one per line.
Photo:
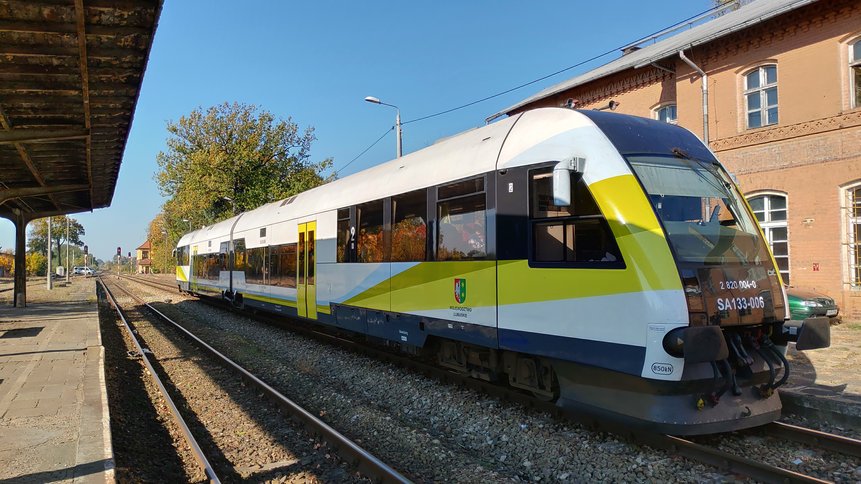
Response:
column 853, row 234
column 666, row 113
column 771, row 211
column 760, row 96
column 855, row 72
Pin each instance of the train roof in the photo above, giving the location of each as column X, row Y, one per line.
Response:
column 467, row 154
column 544, row 134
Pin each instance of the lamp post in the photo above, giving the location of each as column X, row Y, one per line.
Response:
column 164, row 264
column 232, row 204
column 372, row 99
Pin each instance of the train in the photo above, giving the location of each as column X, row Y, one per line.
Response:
column 601, row 261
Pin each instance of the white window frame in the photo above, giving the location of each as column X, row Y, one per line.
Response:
column 854, row 83
column 852, row 235
column 762, row 89
column 768, row 225
column 657, row 112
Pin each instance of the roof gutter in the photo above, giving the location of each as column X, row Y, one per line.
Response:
column 705, row 81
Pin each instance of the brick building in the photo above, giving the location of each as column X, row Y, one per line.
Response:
column 783, row 113
column 144, row 260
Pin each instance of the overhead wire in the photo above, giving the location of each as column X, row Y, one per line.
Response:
column 542, row 78
column 365, row 150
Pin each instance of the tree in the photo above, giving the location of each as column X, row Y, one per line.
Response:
column 38, row 240
column 7, row 263
column 161, row 252
column 37, row 264
column 237, row 151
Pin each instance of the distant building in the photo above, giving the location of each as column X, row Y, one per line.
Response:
column 783, row 112
column 144, row 261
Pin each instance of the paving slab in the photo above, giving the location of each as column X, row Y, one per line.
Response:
column 54, row 421
column 825, row 384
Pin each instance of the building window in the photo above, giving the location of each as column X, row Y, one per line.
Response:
column 666, row 113
column 771, row 211
column 760, row 95
column 853, row 235
column 855, row 72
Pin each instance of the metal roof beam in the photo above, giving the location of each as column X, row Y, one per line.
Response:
column 80, row 21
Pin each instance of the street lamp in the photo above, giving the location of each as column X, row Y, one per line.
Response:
column 372, row 99
column 232, row 204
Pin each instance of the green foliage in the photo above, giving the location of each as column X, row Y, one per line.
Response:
column 38, row 240
column 231, row 150
column 37, row 264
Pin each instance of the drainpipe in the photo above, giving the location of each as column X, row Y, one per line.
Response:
column 705, row 79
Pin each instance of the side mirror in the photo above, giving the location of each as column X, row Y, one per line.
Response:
column 562, row 179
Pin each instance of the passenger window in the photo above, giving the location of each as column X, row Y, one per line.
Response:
column 576, row 235
column 369, row 218
column 409, row 226
column 282, row 265
column 344, row 235
column 255, row 265
column 461, row 220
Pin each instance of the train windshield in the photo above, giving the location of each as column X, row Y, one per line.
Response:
column 706, row 219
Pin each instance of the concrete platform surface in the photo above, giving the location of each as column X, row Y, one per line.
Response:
column 54, row 421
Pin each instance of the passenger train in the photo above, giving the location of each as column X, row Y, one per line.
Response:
column 602, row 261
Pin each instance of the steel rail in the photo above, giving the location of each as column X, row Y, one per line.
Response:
column 824, row 440
column 368, row 464
column 192, row 442
column 724, row 460
column 675, row 445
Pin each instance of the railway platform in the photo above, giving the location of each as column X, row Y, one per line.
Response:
column 54, row 421
column 825, row 384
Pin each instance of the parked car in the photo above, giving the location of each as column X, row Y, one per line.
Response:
column 76, row 270
column 87, row 271
column 805, row 303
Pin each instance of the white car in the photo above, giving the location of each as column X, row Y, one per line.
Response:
column 87, row 271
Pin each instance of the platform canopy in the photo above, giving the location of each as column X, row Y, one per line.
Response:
column 70, row 77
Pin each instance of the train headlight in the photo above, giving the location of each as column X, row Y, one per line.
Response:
column 696, row 344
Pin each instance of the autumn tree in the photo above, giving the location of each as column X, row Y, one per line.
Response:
column 38, row 240
column 228, row 159
column 162, row 240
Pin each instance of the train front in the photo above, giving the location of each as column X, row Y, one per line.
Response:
column 732, row 350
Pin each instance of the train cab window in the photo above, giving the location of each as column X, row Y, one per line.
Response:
column 409, row 226
column 462, row 220
column 282, row 265
column 369, row 221
column 576, row 235
column 182, row 256
column 344, row 239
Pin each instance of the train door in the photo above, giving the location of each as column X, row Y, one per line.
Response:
column 306, row 287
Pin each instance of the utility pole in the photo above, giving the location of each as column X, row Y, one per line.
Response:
column 67, row 249
column 50, row 242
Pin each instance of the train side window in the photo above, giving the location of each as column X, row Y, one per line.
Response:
column 282, row 265
column 461, row 219
column 409, row 226
column 574, row 236
column 371, row 244
column 344, row 235
column 255, row 266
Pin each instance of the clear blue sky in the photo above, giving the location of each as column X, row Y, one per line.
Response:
column 316, row 62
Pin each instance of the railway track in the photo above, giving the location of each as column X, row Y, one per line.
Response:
column 706, row 454
column 366, row 463
column 199, row 456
